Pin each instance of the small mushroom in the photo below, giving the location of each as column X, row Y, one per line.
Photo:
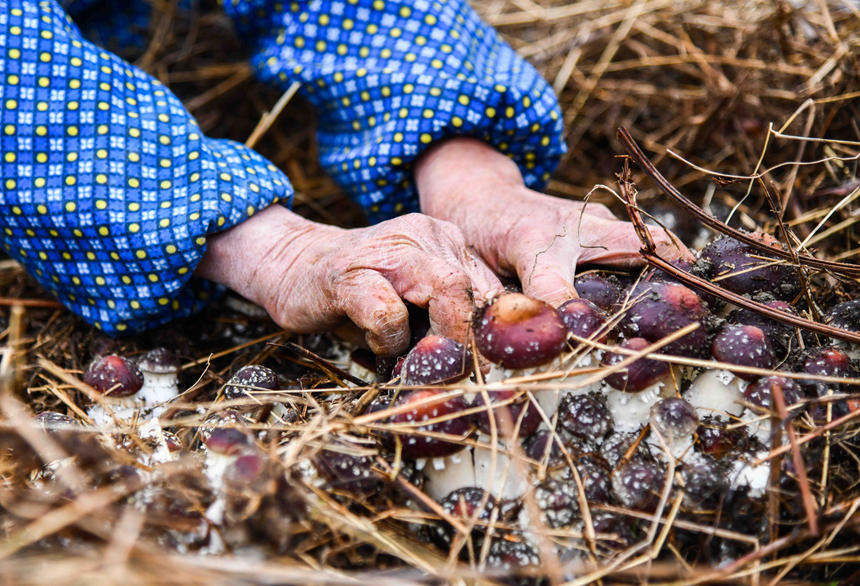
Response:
column 704, row 482
column 585, row 417
column 740, row 268
column 519, row 413
column 638, row 484
column 160, row 368
column 659, row 309
column 745, row 346
column 846, row 316
column 778, row 334
column 676, row 421
column 443, row 413
column 248, row 379
column 602, row 291
column 469, row 504
column 436, row 360
column 114, row 376
column 582, row 318
column 640, row 374
column 119, row 379
column 636, row 388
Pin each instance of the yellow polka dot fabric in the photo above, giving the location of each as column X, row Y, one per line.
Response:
column 408, row 73
column 109, row 189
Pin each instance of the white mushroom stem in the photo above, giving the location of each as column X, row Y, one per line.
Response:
column 107, row 414
column 550, row 399
column 473, row 467
column 158, row 388
column 631, row 411
column 717, row 392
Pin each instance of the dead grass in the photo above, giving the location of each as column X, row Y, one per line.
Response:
column 754, row 105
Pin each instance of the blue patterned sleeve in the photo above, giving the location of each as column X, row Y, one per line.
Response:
column 108, row 189
column 389, row 77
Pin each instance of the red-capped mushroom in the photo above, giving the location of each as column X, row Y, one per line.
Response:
column 517, row 331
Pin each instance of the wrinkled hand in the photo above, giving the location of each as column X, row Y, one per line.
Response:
column 520, row 232
column 310, row 276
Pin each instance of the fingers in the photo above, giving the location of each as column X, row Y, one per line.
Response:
column 615, row 243
column 443, row 288
column 485, row 284
column 549, row 277
column 372, row 303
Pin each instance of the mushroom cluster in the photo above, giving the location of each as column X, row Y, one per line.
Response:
column 628, row 395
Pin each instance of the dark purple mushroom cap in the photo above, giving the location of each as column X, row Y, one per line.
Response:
column 704, row 482
column 436, row 360
column 585, row 416
column 827, row 361
column 507, row 416
column 744, row 346
column 558, row 501
column 638, row 484
column 517, row 331
column 733, row 265
column 227, row 441
column 115, row 376
column 760, row 392
column 470, row 503
column 640, row 374
column 171, row 440
column 537, row 445
column 159, row 361
column 245, row 470
column 845, row 316
column 348, row 472
column 509, row 555
column 602, row 291
column 659, row 309
column 596, row 479
column 466, row 504
column 674, row 418
column 778, row 333
column 582, row 317
column 717, row 439
column 429, row 405
column 249, row 379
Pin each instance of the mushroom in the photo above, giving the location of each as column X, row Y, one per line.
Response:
column 778, row 334
column 704, row 482
column 741, row 268
column 160, row 368
column 745, row 346
column 437, row 407
column 676, row 421
column 760, row 396
column 436, row 360
column 638, row 484
column 659, row 309
column 636, row 388
column 118, row 379
column 517, row 331
column 468, row 504
column 846, row 316
column 602, row 291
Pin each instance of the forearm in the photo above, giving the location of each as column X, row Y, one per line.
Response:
column 462, row 180
column 252, row 257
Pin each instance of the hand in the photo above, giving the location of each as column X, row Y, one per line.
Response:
column 519, row 232
column 310, row 276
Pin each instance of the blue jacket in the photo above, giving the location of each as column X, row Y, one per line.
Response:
column 108, row 188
